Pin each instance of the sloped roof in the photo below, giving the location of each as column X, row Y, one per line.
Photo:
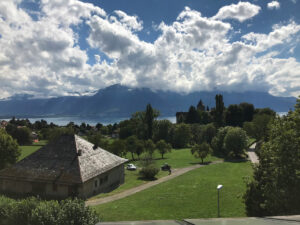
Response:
column 69, row 159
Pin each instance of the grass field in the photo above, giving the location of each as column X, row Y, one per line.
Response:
column 132, row 179
column 178, row 158
column 192, row 195
column 26, row 150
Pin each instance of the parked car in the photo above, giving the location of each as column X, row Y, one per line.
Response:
column 131, row 167
column 166, row 167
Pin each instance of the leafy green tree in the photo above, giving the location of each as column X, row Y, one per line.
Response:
column 258, row 128
column 131, row 143
column 150, row 147
column 163, row 147
column 275, row 189
column 218, row 112
column 162, row 130
column 139, row 148
column 218, row 141
column 98, row 140
column 21, row 134
column 118, row 147
column 234, row 115
column 9, row 149
column 208, row 133
column 235, row 142
column 201, row 150
column 149, row 118
column 181, row 136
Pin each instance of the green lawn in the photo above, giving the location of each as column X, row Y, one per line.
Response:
column 177, row 158
column 26, row 150
column 132, row 179
column 192, row 195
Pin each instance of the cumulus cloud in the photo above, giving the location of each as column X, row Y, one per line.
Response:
column 273, row 5
column 43, row 57
column 241, row 11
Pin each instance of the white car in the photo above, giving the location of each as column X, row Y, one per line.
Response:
column 131, row 167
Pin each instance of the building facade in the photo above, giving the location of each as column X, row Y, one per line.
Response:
column 69, row 166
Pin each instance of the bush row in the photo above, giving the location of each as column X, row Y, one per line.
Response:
column 34, row 211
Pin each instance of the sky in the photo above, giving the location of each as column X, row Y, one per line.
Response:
column 52, row 48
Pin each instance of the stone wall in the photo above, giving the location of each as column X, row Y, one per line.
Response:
column 103, row 183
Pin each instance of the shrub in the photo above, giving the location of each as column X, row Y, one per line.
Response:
column 149, row 172
column 33, row 211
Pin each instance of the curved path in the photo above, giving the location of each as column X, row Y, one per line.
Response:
column 252, row 155
column 175, row 173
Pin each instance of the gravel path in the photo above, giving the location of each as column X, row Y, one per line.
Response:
column 252, row 155
column 175, row 173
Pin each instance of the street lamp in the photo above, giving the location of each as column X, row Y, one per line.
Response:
column 219, row 187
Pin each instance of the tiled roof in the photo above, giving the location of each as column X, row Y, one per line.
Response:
column 69, row 159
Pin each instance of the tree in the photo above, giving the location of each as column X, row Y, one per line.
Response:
column 234, row 115
column 218, row 141
column 21, row 134
column 131, row 145
column 163, row 147
column 9, row 149
column 98, row 140
column 150, row 147
column 149, row 118
column 218, row 113
column 275, row 189
column 118, row 147
column 139, row 148
column 201, row 151
column 181, row 136
column 162, row 130
column 258, row 128
column 235, row 142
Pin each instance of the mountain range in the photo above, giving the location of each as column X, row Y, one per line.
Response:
column 122, row 101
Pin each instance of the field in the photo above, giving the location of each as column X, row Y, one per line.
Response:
column 26, row 150
column 192, row 195
column 178, row 158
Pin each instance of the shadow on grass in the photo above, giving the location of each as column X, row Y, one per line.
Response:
column 200, row 163
column 147, row 179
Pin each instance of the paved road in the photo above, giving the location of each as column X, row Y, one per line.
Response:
column 175, row 173
column 252, row 155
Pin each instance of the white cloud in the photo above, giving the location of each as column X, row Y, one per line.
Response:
column 273, row 5
column 241, row 11
column 194, row 52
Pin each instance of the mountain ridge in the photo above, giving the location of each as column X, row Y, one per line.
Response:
column 122, row 101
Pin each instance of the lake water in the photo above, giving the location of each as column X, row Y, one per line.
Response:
column 62, row 121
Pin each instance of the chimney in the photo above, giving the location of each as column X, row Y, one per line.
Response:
column 79, row 153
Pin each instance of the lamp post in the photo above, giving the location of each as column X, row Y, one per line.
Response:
column 219, row 187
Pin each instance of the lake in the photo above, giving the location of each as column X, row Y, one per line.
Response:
column 62, row 121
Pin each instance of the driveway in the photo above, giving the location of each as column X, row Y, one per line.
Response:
column 252, row 155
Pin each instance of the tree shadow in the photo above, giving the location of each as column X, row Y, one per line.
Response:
column 200, row 163
column 147, row 179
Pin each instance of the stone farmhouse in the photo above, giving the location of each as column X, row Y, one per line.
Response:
column 69, row 166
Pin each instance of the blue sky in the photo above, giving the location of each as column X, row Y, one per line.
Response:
column 71, row 47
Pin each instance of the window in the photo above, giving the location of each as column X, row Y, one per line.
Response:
column 96, row 183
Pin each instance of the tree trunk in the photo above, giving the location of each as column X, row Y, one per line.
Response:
column 132, row 156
